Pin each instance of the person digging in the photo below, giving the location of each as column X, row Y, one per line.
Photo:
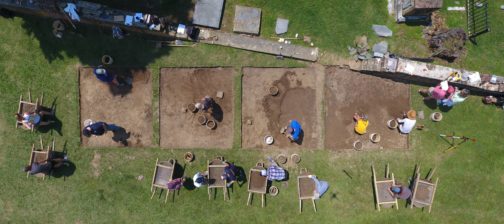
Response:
column 408, row 122
column 361, row 123
column 293, row 131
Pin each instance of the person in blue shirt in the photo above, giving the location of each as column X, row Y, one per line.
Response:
column 104, row 76
column 294, row 130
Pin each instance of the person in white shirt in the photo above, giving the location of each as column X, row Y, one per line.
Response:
column 408, row 123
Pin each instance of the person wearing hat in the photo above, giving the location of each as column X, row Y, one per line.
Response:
column 205, row 103
column 408, row 123
column 400, row 191
column 361, row 123
column 200, row 179
column 294, row 130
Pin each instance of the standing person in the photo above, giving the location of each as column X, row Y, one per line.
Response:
column 294, row 130
column 205, row 103
column 361, row 123
column 320, row 186
column 33, row 119
column 176, row 184
column 442, row 91
column 230, row 174
column 408, row 122
column 46, row 166
column 458, row 96
column 97, row 129
column 274, row 172
column 400, row 191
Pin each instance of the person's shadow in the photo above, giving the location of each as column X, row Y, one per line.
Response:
column 66, row 169
column 120, row 134
column 300, row 139
column 56, row 124
column 217, row 112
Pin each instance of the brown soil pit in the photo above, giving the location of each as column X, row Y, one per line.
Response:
column 177, row 87
column 348, row 92
column 129, row 108
column 297, row 99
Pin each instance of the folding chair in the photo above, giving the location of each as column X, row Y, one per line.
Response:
column 424, row 190
column 215, row 171
column 257, row 184
column 306, row 189
column 381, row 189
column 40, row 156
column 163, row 173
column 28, row 106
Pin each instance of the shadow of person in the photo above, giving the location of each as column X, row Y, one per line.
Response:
column 65, row 170
column 430, row 103
column 55, row 124
column 445, row 108
column 189, row 184
column 179, row 171
column 124, row 86
column 241, row 178
column 217, row 112
column 300, row 139
column 120, row 134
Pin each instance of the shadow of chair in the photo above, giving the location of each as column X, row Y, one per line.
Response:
column 306, row 189
column 163, row 173
column 423, row 190
column 40, row 156
column 257, row 183
column 381, row 189
column 215, row 170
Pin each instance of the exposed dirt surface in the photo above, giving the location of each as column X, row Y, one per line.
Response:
column 424, row 193
column 257, row 182
column 264, row 114
column 348, row 92
column 126, row 107
column 182, row 86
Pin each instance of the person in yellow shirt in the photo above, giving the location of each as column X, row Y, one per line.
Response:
column 361, row 123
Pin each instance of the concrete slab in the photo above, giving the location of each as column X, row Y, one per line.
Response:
column 247, row 20
column 208, row 13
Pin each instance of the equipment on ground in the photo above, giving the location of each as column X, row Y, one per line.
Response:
column 451, row 139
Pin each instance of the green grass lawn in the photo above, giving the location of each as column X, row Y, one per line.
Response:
column 105, row 191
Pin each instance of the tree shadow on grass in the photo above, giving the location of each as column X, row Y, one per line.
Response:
column 89, row 43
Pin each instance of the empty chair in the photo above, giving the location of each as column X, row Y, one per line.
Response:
column 381, row 189
column 306, row 189
column 163, row 173
column 257, row 183
column 424, row 190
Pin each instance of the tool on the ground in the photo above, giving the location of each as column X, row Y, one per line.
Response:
column 451, row 139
